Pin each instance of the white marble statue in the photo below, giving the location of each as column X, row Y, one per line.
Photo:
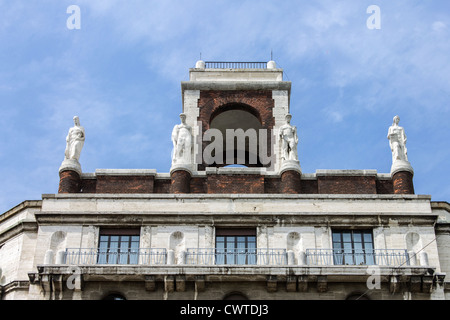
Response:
column 397, row 141
column 74, row 141
column 182, row 142
column 289, row 140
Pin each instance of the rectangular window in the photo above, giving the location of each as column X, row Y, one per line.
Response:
column 236, row 246
column 353, row 247
column 118, row 246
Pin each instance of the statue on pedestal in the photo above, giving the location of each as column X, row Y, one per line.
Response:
column 289, row 140
column 397, row 143
column 182, row 142
column 74, row 141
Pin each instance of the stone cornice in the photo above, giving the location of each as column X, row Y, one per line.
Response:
column 19, row 227
column 20, row 207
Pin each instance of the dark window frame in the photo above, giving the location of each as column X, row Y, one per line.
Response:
column 118, row 246
column 354, row 247
column 236, row 246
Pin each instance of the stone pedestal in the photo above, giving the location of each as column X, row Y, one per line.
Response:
column 290, row 172
column 402, row 177
column 180, row 175
column 70, row 177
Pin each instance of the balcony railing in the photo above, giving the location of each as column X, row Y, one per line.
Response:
column 382, row 257
column 90, row 256
column 241, row 256
column 235, row 65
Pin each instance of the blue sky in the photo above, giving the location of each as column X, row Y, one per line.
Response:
column 121, row 73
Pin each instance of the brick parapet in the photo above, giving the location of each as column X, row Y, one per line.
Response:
column 246, row 181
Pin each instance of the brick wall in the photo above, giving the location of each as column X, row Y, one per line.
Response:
column 290, row 182
column 162, row 186
column 347, row 185
column 124, row 184
column 385, row 187
column 242, row 183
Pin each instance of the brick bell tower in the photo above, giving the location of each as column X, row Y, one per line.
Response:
column 236, row 112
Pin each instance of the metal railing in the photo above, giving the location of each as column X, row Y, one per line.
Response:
column 382, row 257
column 241, row 256
column 91, row 256
column 235, row 65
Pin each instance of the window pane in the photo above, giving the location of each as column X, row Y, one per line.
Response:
column 220, row 245
column 368, row 237
column 357, row 237
column 336, row 237
column 348, row 246
column 103, row 244
column 347, row 236
column 358, row 246
column 134, row 245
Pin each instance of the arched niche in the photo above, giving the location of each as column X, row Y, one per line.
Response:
column 57, row 247
column 413, row 242
column 294, row 243
column 243, row 121
column 177, row 244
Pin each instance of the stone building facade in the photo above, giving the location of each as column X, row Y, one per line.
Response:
column 209, row 231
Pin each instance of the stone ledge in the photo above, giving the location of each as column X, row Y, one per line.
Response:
column 205, row 196
column 238, row 85
column 346, row 173
column 294, row 278
column 235, row 171
column 125, row 172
